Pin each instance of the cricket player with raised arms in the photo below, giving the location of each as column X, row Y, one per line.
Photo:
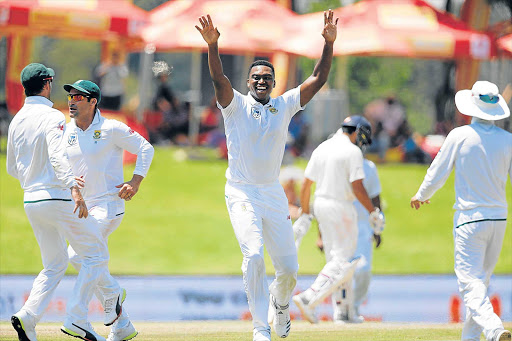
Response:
column 481, row 154
column 256, row 127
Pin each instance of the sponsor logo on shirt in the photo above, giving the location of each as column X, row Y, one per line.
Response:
column 72, row 139
column 273, row 111
column 97, row 134
column 256, row 113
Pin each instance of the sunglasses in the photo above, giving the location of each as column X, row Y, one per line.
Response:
column 489, row 99
column 77, row 97
column 49, row 79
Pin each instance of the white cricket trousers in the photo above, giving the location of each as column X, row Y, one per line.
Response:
column 53, row 222
column 337, row 222
column 477, row 249
column 259, row 215
column 109, row 216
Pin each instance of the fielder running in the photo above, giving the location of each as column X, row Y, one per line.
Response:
column 256, row 128
column 36, row 157
column 95, row 149
column 336, row 166
column 481, row 154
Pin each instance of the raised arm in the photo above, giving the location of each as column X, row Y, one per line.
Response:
column 221, row 84
column 314, row 82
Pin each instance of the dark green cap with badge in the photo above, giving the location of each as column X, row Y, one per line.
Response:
column 85, row 86
column 33, row 75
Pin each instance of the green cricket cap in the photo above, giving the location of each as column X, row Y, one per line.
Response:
column 33, row 75
column 85, row 86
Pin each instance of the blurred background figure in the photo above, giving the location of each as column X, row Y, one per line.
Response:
column 298, row 132
column 111, row 75
column 211, row 127
column 174, row 123
column 290, row 178
column 386, row 116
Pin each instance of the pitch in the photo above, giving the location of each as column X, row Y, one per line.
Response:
column 238, row 330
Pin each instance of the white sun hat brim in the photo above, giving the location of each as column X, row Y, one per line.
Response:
column 466, row 104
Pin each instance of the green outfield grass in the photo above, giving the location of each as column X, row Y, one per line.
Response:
column 178, row 224
column 237, row 331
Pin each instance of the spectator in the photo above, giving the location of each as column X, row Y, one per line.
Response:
column 111, row 75
column 386, row 116
column 211, row 132
column 298, row 129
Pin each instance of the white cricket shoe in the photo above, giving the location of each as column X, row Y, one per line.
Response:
column 303, row 305
column 113, row 308
column 343, row 318
column 25, row 325
column 261, row 335
column 122, row 333
column 281, row 321
column 81, row 331
column 503, row 335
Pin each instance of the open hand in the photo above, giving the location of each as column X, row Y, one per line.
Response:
column 415, row 203
column 330, row 27
column 209, row 32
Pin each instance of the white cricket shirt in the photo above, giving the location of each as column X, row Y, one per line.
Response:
column 334, row 165
column 35, row 153
column 372, row 185
column 256, row 135
column 481, row 154
column 97, row 154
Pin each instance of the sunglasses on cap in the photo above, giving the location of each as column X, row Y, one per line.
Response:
column 489, row 99
column 50, row 79
column 77, row 97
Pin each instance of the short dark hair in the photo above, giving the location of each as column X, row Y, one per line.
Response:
column 35, row 88
column 348, row 130
column 261, row 62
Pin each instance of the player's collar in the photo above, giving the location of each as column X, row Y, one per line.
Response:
column 253, row 102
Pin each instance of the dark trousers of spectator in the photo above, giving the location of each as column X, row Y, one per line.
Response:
column 110, row 103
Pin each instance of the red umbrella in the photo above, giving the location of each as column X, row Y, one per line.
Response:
column 93, row 19
column 245, row 26
column 408, row 28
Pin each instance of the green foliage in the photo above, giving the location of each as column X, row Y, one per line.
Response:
column 178, row 224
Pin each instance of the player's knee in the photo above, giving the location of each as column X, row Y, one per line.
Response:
column 57, row 269
column 253, row 261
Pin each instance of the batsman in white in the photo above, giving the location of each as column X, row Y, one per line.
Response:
column 256, row 127
column 95, row 148
column 481, row 154
column 336, row 166
column 36, row 157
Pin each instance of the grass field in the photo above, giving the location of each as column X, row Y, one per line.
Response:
column 178, row 224
column 231, row 331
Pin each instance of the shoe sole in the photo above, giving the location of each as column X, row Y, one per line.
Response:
column 303, row 310
column 18, row 326
column 131, row 336
column 118, row 306
column 72, row 333
column 506, row 336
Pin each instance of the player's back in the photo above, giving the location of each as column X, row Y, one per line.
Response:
column 483, row 165
column 28, row 134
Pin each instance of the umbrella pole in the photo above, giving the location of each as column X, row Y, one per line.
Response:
column 195, row 98
column 146, row 62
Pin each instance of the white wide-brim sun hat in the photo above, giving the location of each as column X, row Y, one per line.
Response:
column 469, row 102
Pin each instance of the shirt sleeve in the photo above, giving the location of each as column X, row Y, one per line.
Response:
column 440, row 169
column 371, row 181
column 292, row 101
column 312, row 168
column 233, row 107
column 57, row 150
column 12, row 168
column 356, row 170
column 131, row 141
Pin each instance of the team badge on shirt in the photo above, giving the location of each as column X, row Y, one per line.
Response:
column 273, row 111
column 256, row 113
column 97, row 134
column 72, row 139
